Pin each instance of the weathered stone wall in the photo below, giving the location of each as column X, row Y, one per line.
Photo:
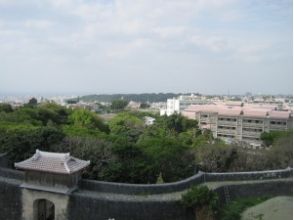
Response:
column 131, row 189
column 10, row 199
column 97, row 200
column 253, row 175
column 4, row 162
column 97, row 208
column 118, row 207
column 201, row 177
column 269, row 189
column 11, row 174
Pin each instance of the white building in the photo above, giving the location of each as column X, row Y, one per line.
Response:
column 177, row 105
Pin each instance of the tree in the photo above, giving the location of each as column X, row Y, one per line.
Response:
column 5, row 107
column 127, row 125
column 33, row 102
column 203, row 200
column 268, row 138
column 177, row 123
column 144, row 105
column 170, row 157
column 215, row 157
column 119, row 104
column 87, row 119
column 21, row 141
column 132, row 164
column 89, row 148
column 280, row 155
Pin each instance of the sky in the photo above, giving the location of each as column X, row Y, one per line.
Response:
column 137, row 46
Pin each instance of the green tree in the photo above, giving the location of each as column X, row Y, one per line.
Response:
column 132, row 165
column 144, row 105
column 268, row 138
column 127, row 125
column 170, row 157
column 32, row 102
column 21, row 141
column 177, row 123
column 280, row 155
column 89, row 148
column 216, row 157
column 203, row 200
column 5, row 107
column 85, row 118
column 119, row 104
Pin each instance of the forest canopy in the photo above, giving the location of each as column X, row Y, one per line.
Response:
column 125, row 149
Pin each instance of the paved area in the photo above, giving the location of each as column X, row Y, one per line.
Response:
column 278, row 208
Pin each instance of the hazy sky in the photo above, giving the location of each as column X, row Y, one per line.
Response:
column 125, row 46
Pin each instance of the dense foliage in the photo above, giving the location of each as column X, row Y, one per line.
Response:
column 204, row 201
column 200, row 196
column 125, row 149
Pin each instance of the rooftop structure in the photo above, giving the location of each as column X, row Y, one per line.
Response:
column 52, row 172
column 61, row 163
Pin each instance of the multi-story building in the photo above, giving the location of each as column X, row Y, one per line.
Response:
column 239, row 123
column 177, row 105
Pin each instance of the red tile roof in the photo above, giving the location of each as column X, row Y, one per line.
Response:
column 247, row 110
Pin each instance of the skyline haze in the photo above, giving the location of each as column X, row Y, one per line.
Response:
column 122, row 46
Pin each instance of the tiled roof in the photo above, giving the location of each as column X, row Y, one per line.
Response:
column 61, row 163
column 279, row 114
column 247, row 110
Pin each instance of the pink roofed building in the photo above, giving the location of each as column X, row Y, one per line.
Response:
column 240, row 123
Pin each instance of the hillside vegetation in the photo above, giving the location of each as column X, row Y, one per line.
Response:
column 125, row 149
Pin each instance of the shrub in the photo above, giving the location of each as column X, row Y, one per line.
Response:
column 199, row 197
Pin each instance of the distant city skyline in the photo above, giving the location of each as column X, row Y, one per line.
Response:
column 80, row 47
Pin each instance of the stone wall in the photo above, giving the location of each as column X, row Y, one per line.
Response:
column 4, row 162
column 11, row 174
column 97, row 208
column 253, row 175
column 10, row 200
column 268, row 189
column 201, row 177
column 97, row 200
column 131, row 189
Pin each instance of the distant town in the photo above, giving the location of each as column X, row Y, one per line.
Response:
column 233, row 118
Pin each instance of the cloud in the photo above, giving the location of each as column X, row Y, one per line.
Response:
column 155, row 37
column 38, row 24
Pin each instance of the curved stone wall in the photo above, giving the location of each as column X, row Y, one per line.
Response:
column 96, row 200
column 201, row 177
